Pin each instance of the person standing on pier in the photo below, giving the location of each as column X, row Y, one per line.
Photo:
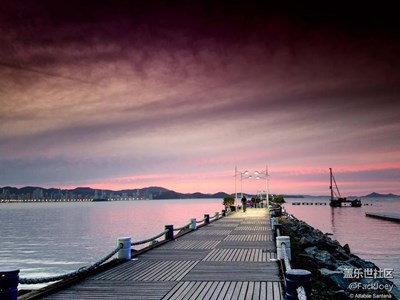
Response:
column 244, row 203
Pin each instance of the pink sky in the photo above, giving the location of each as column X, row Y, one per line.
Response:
column 122, row 97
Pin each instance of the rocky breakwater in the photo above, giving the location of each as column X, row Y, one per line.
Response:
column 336, row 272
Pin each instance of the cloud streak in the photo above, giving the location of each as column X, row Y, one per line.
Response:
column 181, row 95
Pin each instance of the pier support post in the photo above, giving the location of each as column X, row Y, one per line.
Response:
column 216, row 216
column 279, row 241
column 193, row 224
column 169, row 235
column 223, row 213
column 9, row 284
column 206, row 219
column 125, row 251
column 295, row 278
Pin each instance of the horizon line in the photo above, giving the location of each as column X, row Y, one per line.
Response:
column 155, row 186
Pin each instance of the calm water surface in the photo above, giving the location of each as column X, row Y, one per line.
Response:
column 45, row 239
column 371, row 239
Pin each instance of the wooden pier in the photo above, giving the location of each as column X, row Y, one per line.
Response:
column 389, row 216
column 232, row 258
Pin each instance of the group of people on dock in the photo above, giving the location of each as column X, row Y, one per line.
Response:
column 251, row 203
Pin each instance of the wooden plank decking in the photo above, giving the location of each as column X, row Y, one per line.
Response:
column 231, row 258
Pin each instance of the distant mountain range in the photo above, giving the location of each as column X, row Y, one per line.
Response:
column 376, row 195
column 153, row 192
column 371, row 195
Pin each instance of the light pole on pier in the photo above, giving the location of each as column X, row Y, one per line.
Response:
column 243, row 175
column 260, row 175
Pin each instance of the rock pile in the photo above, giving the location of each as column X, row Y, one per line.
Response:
column 337, row 273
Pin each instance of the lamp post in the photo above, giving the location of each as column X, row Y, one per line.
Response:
column 244, row 175
column 258, row 175
column 265, row 175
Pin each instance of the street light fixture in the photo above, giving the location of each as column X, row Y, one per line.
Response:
column 247, row 175
column 262, row 175
column 243, row 175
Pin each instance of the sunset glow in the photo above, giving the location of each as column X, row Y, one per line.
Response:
column 125, row 96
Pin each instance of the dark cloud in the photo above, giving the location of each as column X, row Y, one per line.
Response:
column 181, row 24
column 306, row 77
column 39, row 35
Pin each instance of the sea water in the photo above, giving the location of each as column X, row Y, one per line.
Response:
column 371, row 239
column 46, row 239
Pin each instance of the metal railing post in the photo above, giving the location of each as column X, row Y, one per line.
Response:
column 279, row 249
column 169, row 235
column 298, row 284
column 278, row 230
column 206, row 219
column 273, row 222
column 9, row 284
column 193, row 224
column 125, row 251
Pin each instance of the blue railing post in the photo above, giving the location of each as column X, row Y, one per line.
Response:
column 206, row 219
column 9, row 284
column 295, row 278
column 169, row 235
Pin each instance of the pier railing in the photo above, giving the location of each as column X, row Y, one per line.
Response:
column 71, row 274
column 297, row 281
column 9, row 279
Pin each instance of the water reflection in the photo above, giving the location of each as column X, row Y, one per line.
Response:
column 44, row 239
column 371, row 239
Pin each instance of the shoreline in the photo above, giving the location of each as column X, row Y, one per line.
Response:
column 336, row 272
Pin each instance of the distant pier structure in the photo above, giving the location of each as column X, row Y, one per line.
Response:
column 319, row 203
column 388, row 216
column 309, row 203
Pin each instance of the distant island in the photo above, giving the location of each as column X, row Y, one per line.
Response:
column 292, row 196
column 377, row 195
column 371, row 195
column 88, row 194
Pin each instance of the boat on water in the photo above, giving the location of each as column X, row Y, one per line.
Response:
column 338, row 200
